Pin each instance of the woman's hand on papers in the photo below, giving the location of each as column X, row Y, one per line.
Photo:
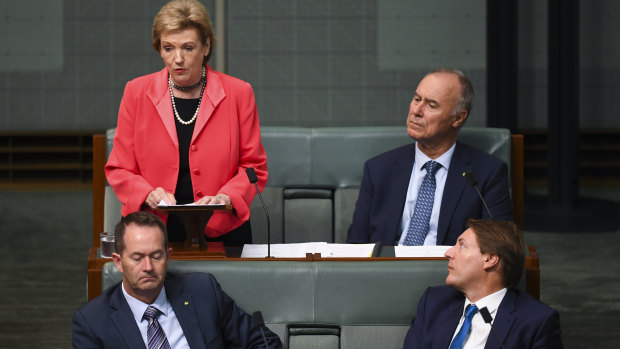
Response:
column 158, row 195
column 219, row 199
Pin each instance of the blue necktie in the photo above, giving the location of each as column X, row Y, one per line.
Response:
column 459, row 339
column 155, row 334
column 418, row 224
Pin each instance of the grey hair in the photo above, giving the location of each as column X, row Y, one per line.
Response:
column 466, row 99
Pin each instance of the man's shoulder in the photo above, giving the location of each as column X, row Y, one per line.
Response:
column 443, row 294
column 101, row 303
column 526, row 303
column 444, row 290
column 407, row 151
column 402, row 152
column 190, row 281
column 476, row 154
column 190, row 277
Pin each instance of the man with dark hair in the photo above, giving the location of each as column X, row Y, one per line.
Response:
column 485, row 265
column 141, row 220
column 153, row 309
column 416, row 194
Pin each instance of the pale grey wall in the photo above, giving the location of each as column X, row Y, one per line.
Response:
column 351, row 62
column 64, row 63
column 97, row 49
column 600, row 64
column 532, row 62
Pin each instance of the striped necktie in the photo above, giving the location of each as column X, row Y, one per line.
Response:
column 155, row 334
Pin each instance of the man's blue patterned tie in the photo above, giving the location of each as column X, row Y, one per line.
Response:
column 418, row 224
column 155, row 334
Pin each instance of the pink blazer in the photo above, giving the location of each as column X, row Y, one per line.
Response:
column 226, row 141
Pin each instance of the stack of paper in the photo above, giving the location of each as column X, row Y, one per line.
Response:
column 420, row 251
column 299, row 250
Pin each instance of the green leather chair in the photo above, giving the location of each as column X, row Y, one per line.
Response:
column 315, row 175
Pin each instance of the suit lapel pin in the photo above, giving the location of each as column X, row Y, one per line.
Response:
column 186, row 303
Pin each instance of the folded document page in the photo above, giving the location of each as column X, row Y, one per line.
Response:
column 299, row 250
column 163, row 204
column 420, row 251
column 348, row 250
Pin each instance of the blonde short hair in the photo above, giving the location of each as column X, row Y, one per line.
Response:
column 180, row 15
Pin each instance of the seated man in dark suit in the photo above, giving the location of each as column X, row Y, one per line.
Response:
column 485, row 265
column 417, row 194
column 153, row 309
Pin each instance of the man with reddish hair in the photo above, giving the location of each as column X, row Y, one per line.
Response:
column 486, row 264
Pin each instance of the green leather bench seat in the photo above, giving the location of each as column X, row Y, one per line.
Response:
column 323, row 304
column 315, row 174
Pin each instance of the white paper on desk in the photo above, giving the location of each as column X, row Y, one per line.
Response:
column 347, row 250
column 164, row 204
column 299, row 250
column 282, row 250
column 420, row 251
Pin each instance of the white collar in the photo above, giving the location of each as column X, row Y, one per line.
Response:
column 138, row 307
column 444, row 159
column 491, row 302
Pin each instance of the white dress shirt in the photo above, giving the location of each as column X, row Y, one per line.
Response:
column 168, row 320
column 417, row 175
column 480, row 330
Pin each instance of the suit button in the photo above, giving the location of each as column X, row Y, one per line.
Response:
column 196, row 171
column 199, row 194
column 194, row 147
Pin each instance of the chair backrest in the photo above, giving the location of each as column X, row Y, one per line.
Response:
column 322, row 304
column 319, row 291
column 314, row 177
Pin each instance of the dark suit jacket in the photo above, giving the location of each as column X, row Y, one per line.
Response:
column 383, row 192
column 208, row 316
column 521, row 321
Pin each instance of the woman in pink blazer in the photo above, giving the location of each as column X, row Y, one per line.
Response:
column 187, row 133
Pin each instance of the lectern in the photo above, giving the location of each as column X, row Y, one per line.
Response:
column 195, row 219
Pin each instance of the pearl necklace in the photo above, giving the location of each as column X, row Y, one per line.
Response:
column 191, row 87
column 174, row 107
